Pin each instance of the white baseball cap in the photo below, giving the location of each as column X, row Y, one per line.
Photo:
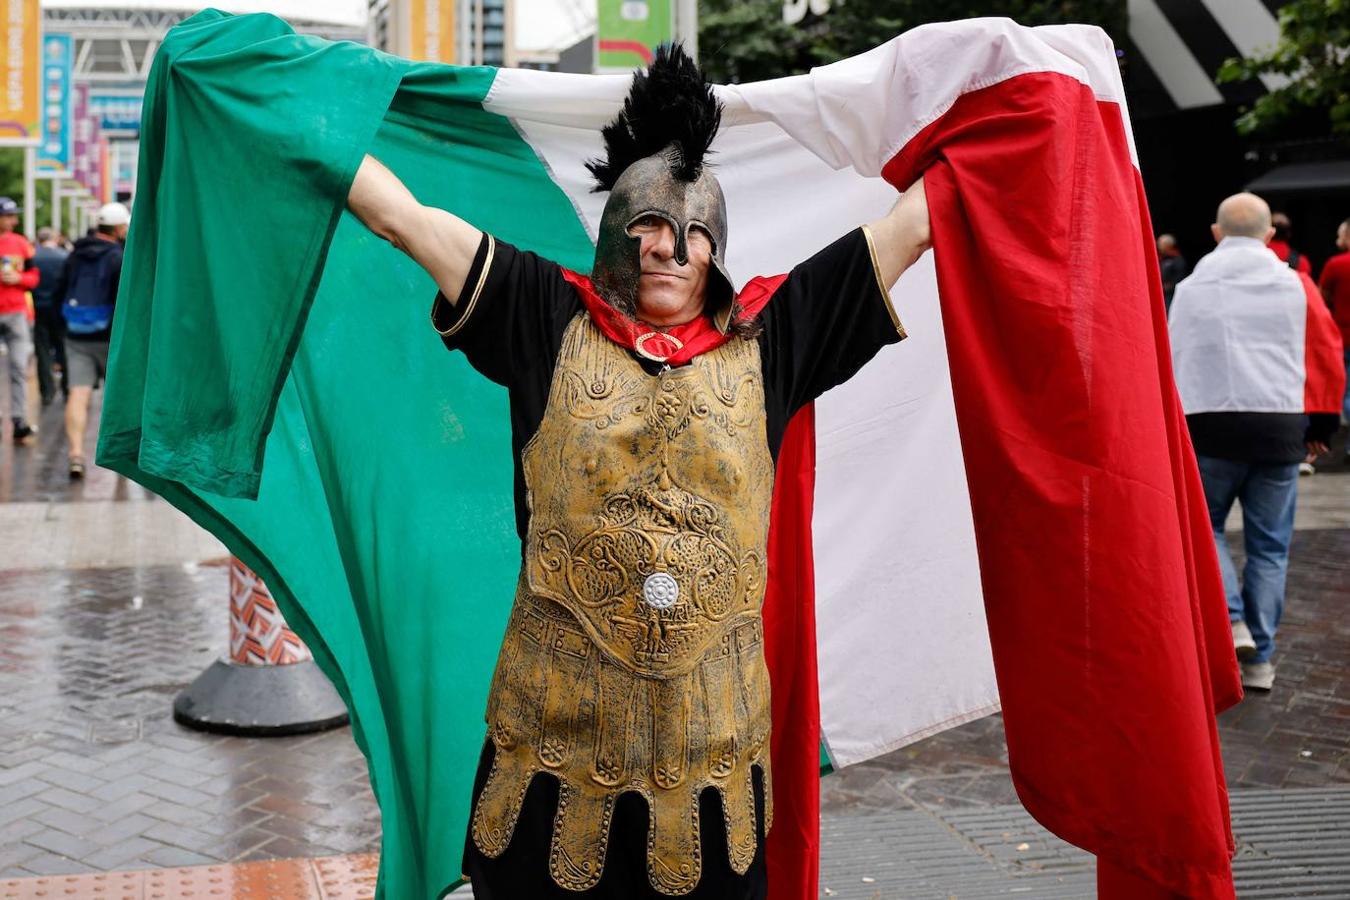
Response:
column 114, row 214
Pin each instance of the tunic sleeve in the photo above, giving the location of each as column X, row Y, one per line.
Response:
column 825, row 321
column 511, row 313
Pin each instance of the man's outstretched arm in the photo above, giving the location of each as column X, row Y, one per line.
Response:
column 440, row 242
column 903, row 234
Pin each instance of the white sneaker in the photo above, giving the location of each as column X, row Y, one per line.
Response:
column 1243, row 642
column 1307, row 468
column 1258, row 676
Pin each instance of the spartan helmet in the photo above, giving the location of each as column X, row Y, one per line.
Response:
column 653, row 166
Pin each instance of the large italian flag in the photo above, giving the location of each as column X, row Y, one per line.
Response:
column 1002, row 506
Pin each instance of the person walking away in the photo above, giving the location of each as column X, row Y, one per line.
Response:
column 49, row 328
column 1259, row 370
column 87, row 291
column 1282, row 247
column 18, row 276
column 1335, row 285
column 1172, row 266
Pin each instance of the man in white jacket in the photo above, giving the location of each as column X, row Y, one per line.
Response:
column 1253, row 347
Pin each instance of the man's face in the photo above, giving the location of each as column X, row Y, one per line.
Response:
column 8, row 223
column 670, row 293
column 120, row 232
column 1343, row 237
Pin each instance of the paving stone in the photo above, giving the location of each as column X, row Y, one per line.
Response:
column 121, row 828
column 123, row 806
column 19, row 810
column 54, row 864
column 122, row 854
column 60, row 842
column 20, row 772
column 13, row 854
column 25, row 787
column 65, row 820
column 71, row 780
column 176, row 856
column 80, row 803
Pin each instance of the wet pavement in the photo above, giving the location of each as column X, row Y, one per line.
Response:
column 111, row 602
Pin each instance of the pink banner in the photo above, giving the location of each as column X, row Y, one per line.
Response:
column 85, row 161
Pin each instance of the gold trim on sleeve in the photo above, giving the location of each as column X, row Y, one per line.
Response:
column 473, row 299
column 881, row 283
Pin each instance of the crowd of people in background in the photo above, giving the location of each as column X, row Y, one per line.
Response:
column 56, row 303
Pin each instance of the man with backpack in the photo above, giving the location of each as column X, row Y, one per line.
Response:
column 87, row 292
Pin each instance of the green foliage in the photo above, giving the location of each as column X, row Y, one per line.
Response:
column 747, row 40
column 1314, row 51
column 11, row 172
column 11, row 184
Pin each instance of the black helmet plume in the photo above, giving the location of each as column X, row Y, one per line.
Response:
column 670, row 103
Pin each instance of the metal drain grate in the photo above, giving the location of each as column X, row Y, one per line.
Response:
column 1290, row 844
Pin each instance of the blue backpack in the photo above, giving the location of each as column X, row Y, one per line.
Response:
column 86, row 307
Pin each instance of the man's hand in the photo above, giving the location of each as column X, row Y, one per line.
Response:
column 1316, row 449
column 903, row 235
column 440, row 242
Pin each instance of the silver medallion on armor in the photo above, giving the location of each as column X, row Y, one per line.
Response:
column 660, row 590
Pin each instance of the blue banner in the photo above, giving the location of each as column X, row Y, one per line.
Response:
column 116, row 111
column 53, row 151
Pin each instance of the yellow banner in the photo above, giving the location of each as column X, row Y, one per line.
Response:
column 431, row 30
column 20, row 38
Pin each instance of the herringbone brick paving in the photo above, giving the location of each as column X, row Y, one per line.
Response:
column 95, row 774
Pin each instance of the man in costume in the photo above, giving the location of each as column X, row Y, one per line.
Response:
column 648, row 403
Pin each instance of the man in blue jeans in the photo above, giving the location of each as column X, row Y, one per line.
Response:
column 1258, row 367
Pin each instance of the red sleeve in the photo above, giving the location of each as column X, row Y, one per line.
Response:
column 1322, row 352
column 28, row 278
column 1327, row 283
column 1304, row 267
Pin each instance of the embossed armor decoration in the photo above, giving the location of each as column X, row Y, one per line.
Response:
column 633, row 660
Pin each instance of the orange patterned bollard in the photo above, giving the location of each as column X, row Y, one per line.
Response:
column 269, row 684
column 259, row 635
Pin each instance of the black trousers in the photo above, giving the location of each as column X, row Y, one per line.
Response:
column 49, row 344
column 521, row 872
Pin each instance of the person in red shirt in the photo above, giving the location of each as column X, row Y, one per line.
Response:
column 1284, row 232
column 18, row 276
column 1335, row 285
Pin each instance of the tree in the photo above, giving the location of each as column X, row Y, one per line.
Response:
column 1314, row 52
column 747, row 40
column 11, row 184
column 11, row 172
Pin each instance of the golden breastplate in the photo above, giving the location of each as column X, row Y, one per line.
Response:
column 633, row 660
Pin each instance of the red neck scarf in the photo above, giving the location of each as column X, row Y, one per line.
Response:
column 679, row 344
